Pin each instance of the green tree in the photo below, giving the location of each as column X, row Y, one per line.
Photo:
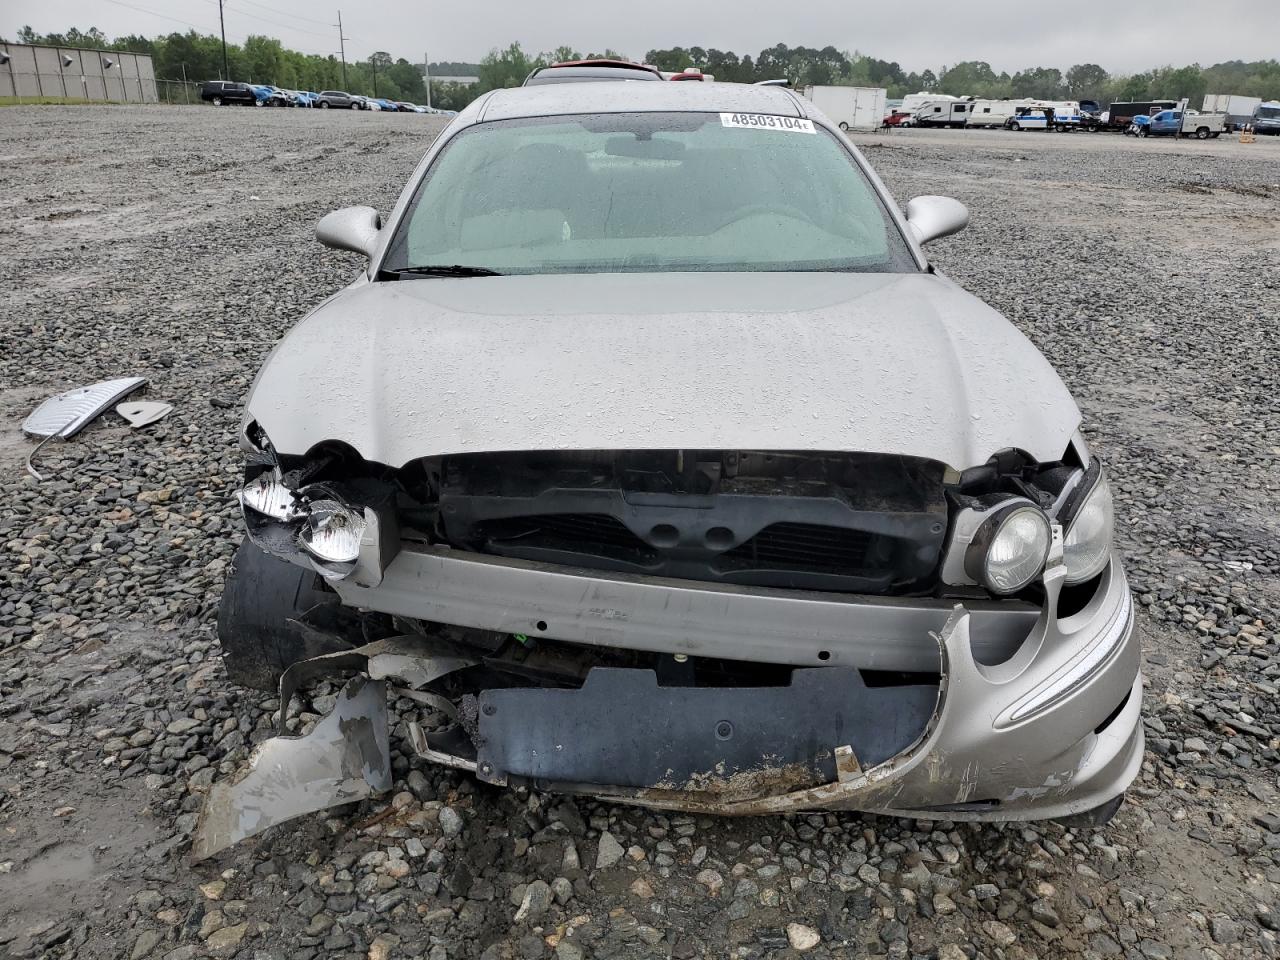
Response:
column 506, row 68
column 1086, row 81
column 1041, row 83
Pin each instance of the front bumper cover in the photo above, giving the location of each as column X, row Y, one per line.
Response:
column 1034, row 716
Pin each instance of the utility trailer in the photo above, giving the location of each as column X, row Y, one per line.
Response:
column 1239, row 110
column 1120, row 115
column 850, row 108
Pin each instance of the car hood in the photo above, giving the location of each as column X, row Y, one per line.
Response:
column 890, row 363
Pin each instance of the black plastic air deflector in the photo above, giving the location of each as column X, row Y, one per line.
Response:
column 622, row 729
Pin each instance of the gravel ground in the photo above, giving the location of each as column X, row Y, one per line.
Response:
column 175, row 243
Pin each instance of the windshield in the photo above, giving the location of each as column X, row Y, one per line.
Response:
column 649, row 192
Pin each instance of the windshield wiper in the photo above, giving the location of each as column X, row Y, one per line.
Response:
column 444, row 270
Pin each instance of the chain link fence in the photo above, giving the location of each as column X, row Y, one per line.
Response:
column 178, row 91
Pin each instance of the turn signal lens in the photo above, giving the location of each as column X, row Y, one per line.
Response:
column 1086, row 545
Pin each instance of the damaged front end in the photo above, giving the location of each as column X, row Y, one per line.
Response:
column 737, row 632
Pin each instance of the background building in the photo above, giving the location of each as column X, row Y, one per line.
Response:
column 34, row 71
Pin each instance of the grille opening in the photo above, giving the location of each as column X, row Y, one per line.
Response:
column 1075, row 597
column 808, row 547
column 583, row 533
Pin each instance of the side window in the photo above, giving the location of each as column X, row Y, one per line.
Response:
column 986, row 109
column 960, row 109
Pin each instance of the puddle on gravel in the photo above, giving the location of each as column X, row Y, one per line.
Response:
column 63, row 863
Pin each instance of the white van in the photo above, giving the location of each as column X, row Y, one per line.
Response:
column 994, row 113
column 1066, row 113
column 1028, row 117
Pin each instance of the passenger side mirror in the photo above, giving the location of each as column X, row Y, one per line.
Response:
column 351, row 228
column 934, row 217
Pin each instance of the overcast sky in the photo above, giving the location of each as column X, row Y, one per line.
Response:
column 1122, row 35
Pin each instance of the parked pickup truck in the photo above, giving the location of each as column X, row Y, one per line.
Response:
column 1170, row 123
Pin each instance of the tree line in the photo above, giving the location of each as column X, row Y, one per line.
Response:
column 1084, row 81
column 195, row 56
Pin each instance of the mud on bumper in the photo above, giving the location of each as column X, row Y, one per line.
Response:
column 992, row 711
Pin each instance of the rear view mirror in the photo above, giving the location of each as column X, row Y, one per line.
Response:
column 934, row 217
column 655, row 148
column 351, row 228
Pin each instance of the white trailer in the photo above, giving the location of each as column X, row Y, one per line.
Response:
column 850, row 108
column 994, row 113
column 1239, row 110
column 914, row 101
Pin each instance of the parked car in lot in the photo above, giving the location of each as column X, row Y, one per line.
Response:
column 581, row 71
column 774, row 528
column 898, row 118
column 337, row 98
column 219, row 92
column 405, row 106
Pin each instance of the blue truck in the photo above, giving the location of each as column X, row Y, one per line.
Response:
column 1179, row 123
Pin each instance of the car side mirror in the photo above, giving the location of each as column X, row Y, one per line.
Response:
column 934, row 217
column 351, row 228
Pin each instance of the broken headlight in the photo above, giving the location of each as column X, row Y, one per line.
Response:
column 1088, row 528
column 1010, row 547
column 265, row 494
column 332, row 532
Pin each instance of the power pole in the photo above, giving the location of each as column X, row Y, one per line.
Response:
column 373, row 65
column 342, row 50
column 226, row 71
column 426, row 72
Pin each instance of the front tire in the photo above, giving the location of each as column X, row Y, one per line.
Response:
column 1202, row 133
column 1142, row 132
column 1015, row 125
column 355, row 106
column 216, row 101
column 324, row 104
column 844, row 125
column 261, row 598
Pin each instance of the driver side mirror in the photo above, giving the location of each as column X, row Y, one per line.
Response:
column 934, row 217
column 351, row 228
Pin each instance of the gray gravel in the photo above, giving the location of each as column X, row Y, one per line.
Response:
column 175, row 243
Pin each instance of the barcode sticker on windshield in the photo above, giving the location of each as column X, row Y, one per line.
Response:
column 764, row 121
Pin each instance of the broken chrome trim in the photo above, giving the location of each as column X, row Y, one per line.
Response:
column 345, row 757
column 681, row 616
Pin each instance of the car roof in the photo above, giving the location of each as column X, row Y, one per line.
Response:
column 605, row 96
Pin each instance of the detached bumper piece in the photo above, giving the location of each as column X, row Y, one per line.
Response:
column 343, row 759
column 621, row 728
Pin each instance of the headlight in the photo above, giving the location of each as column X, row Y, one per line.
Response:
column 265, row 494
column 1086, row 543
column 1010, row 548
column 333, row 532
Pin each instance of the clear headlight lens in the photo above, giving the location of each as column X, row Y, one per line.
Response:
column 1086, row 544
column 332, row 532
column 1011, row 549
column 266, row 495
